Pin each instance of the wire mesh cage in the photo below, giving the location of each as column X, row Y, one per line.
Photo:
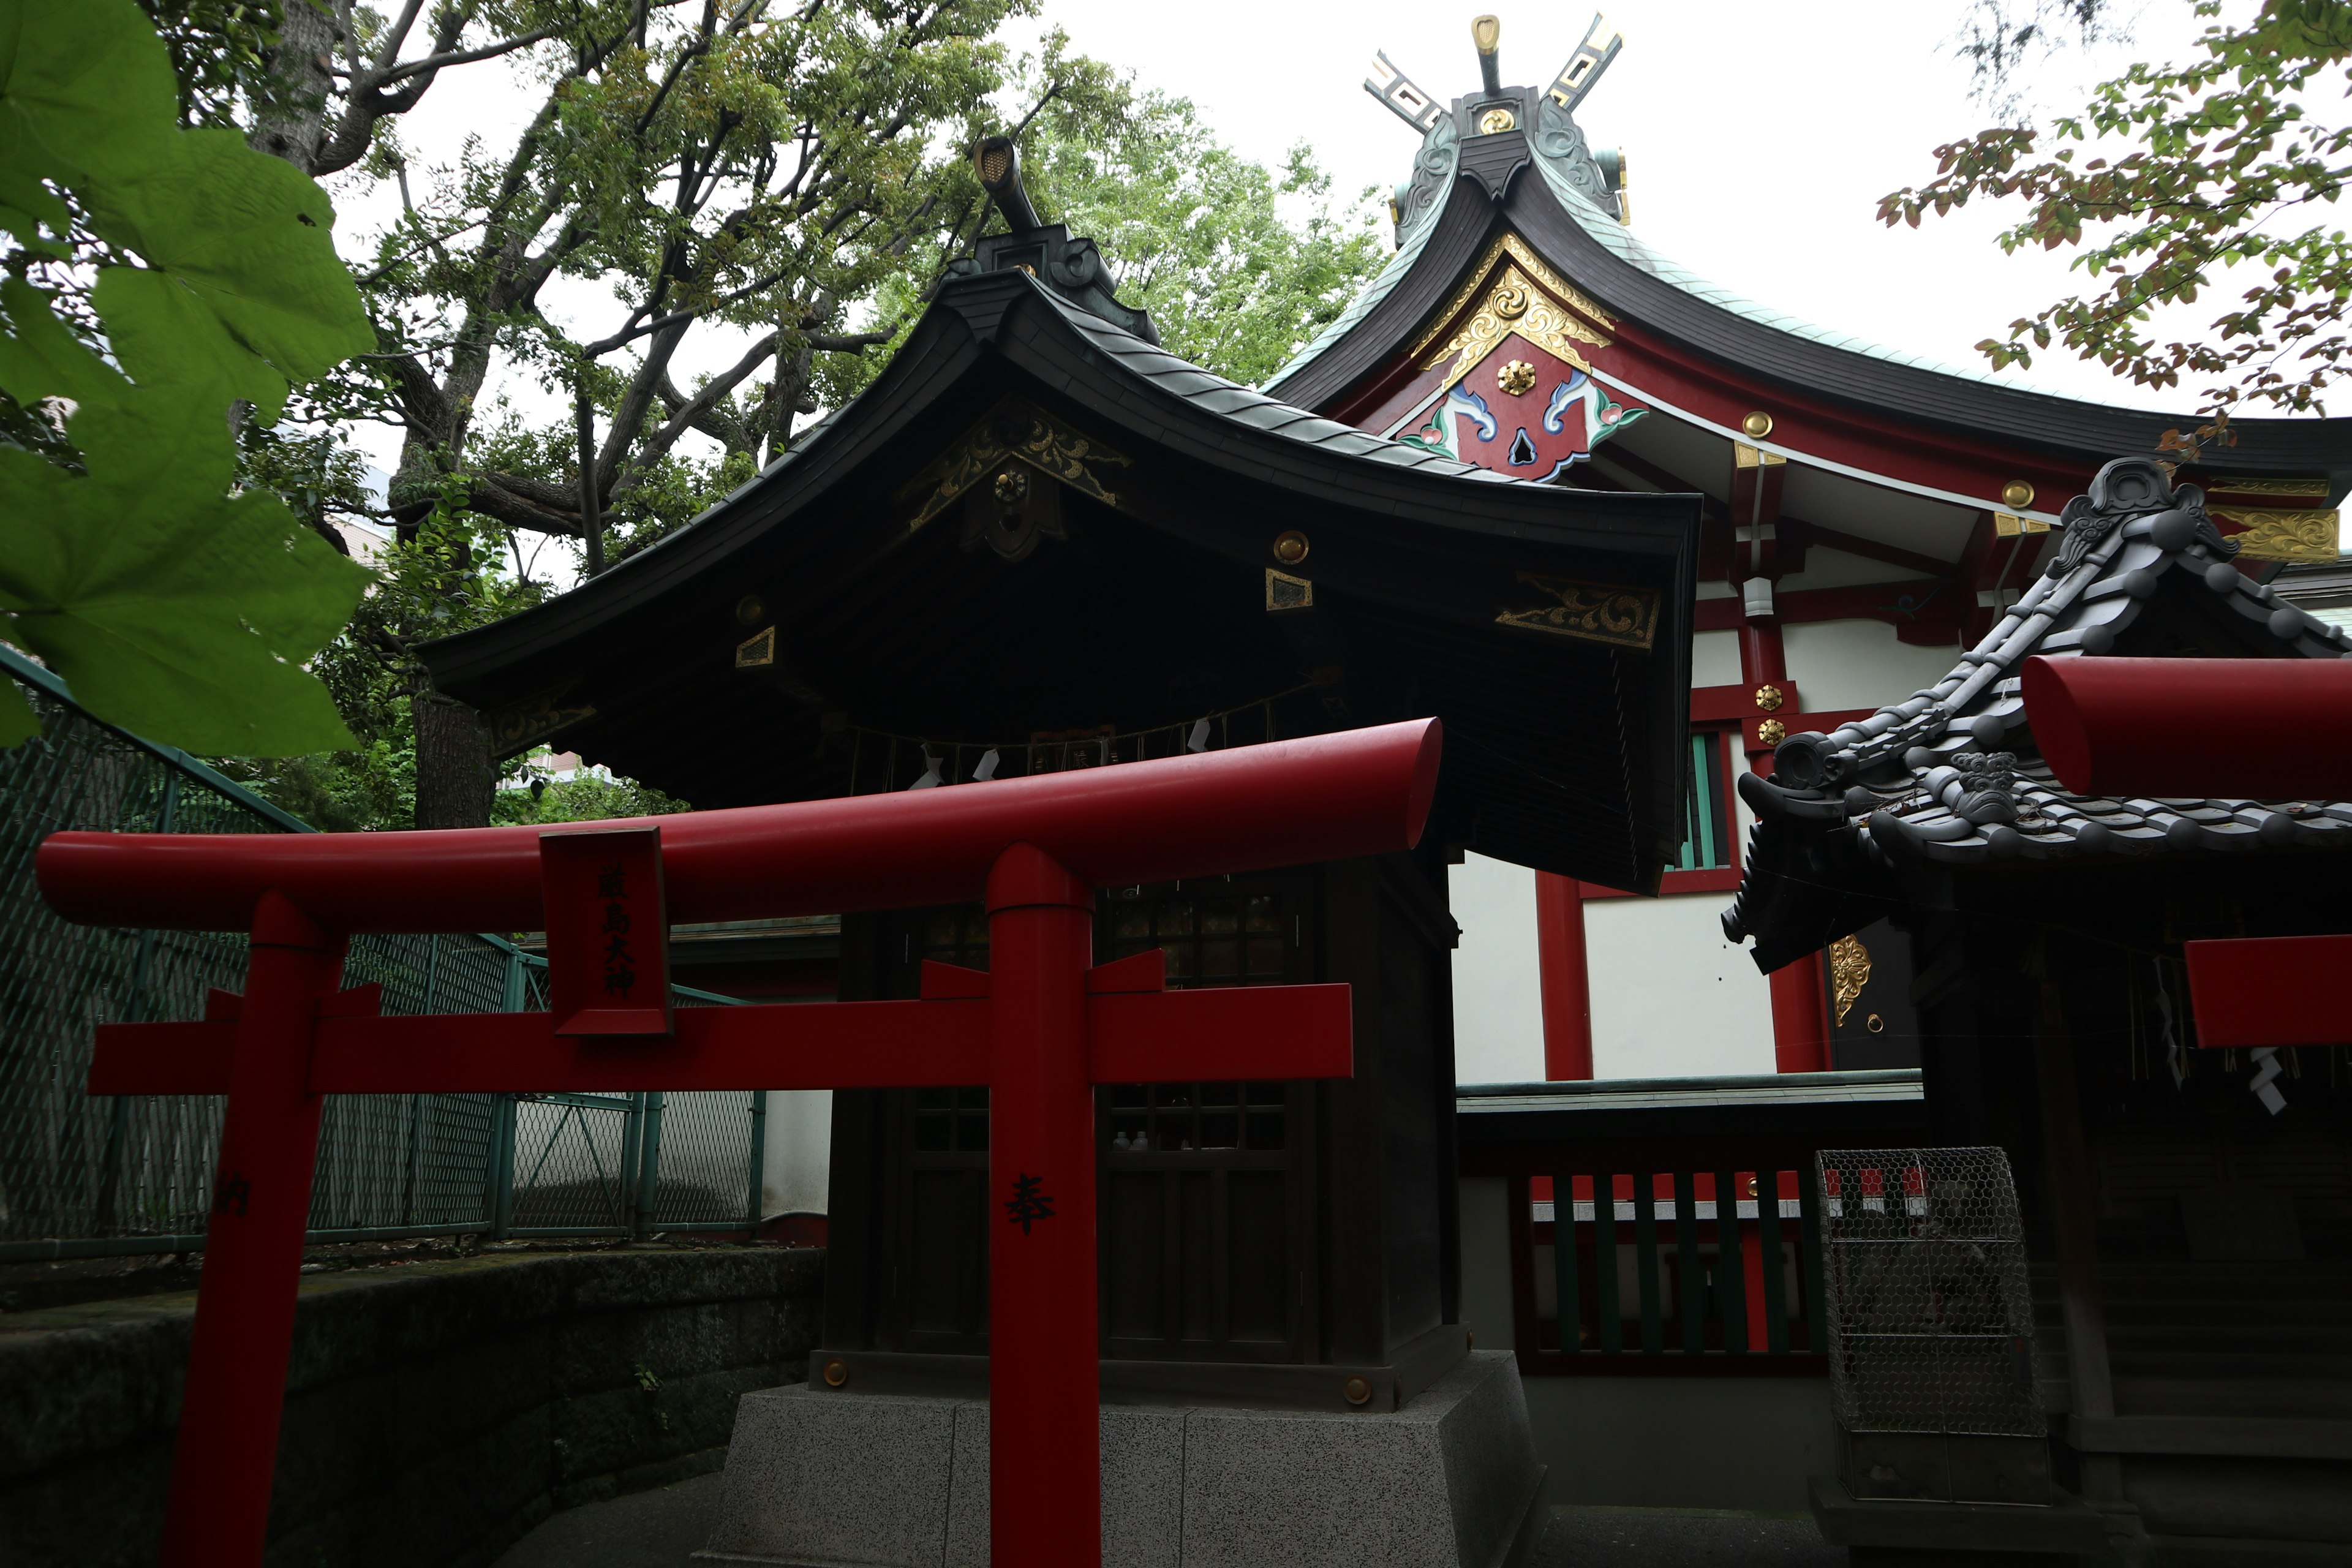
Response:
column 83, row 1175
column 1930, row 1321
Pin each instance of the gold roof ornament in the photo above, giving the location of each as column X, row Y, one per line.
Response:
column 1849, row 973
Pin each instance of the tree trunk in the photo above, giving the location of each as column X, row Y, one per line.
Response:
column 454, row 779
column 291, row 119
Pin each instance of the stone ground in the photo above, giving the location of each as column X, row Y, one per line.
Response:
column 661, row 1529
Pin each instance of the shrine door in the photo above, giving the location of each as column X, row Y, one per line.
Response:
column 1206, row 1195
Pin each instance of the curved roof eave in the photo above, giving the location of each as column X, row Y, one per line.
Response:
column 1605, row 257
column 1143, row 388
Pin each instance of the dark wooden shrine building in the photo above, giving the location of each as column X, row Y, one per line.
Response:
column 1040, row 541
column 2189, row 1212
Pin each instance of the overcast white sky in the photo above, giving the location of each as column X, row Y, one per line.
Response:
column 1758, row 138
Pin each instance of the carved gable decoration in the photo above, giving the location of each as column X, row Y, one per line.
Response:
column 1016, row 429
column 1589, row 612
column 1513, row 292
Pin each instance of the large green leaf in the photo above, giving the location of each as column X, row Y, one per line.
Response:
column 39, row 358
column 86, row 93
column 172, row 609
column 242, row 286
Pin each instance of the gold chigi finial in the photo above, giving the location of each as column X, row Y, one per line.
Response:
column 1484, row 32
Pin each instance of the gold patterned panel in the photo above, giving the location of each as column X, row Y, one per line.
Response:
column 757, row 651
column 525, row 723
column 1589, row 612
column 1849, row 972
column 1285, row 592
column 2276, row 534
column 1015, row 427
column 2309, row 489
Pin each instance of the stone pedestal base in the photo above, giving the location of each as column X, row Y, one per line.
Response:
column 827, row 1480
column 1891, row 1534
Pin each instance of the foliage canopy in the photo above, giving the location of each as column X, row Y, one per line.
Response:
column 2170, row 177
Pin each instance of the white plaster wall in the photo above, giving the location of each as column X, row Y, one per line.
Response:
column 1497, row 974
column 1827, row 568
column 1670, row 998
column 1715, row 659
column 1859, row 664
column 797, row 1157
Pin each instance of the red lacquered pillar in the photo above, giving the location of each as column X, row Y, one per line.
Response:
column 218, row 1516
column 1565, row 977
column 1044, row 1454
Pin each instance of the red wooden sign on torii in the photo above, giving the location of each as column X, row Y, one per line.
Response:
column 1040, row 1027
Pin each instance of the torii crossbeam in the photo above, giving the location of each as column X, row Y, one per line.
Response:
column 1040, row 1027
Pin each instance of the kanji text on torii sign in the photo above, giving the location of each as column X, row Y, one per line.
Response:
column 1039, row 1029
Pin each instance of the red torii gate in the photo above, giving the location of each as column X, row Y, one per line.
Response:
column 1039, row 1027
column 2236, row 729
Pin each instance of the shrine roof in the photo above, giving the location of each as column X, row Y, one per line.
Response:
column 1562, row 751
column 1949, row 776
column 1547, row 188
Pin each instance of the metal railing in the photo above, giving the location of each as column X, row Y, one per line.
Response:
column 83, row 1176
column 1652, row 1262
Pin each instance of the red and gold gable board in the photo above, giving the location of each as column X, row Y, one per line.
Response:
column 1526, row 374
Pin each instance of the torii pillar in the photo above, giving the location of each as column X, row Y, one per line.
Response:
column 1040, row 1027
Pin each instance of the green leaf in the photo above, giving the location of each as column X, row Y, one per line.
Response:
column 175, row 610
column 86, row 92
column 242, row 289
column 40, row 358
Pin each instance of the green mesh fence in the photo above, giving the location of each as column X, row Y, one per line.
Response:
column 84, row 1177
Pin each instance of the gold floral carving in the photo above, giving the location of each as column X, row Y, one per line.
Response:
column 520, row 725
column 1591, row 612
column 2272, row 534
column 1516, row 302
column 1534, row 266
column 1514, row 305
column 1015, row 427
column 1849, row 972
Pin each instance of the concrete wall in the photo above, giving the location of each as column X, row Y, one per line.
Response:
column 1670, row 998
column 435, row 1412
column 1744, row 1442
column 1497, row 975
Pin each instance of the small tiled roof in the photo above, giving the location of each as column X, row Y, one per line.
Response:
column 1949, row 774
